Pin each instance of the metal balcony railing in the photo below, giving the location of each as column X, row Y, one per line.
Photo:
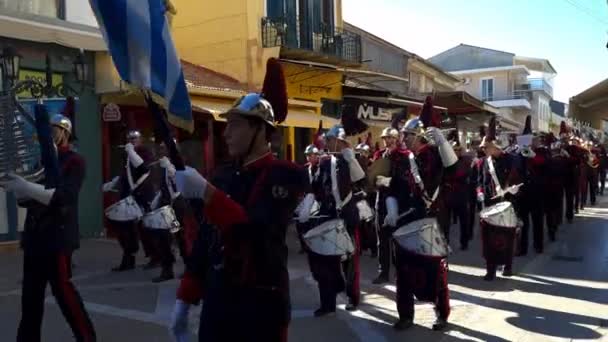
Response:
column 516, row 95
column 536, row 84
column 322, row 39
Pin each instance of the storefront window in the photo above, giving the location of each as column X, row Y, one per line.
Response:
column 47, row 8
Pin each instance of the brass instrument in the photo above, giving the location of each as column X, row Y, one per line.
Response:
column 527, row 152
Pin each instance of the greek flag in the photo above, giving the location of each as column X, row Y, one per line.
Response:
column 138, row 36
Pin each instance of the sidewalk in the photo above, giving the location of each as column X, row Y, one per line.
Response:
column 541, row 298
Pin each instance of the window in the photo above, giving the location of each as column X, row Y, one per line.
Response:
column 487, row 89
column 47, row 8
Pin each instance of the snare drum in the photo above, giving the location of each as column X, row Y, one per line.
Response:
column 422, row 237
column 330, row 238
column 501, row 214
column 124, row 210
column 162, row 218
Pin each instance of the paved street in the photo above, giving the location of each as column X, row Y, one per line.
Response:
column 561, row 295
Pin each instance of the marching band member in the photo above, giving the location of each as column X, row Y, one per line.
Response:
column 457, row 184
column 166, row 196
column 334, row 191
column 593, row 165
column 51, row 235
column 531, row 199
column 579, row 155
column 134, row 182
column 476, row 166
column 243, row 270
column 392, row 197
column 369, row 239
column 497, row 182
column 571, row 154
column 603, row 156
column 553, row 191
column 436, row 165
column 313, row 156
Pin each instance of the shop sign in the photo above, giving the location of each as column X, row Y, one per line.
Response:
column 111, row 113
column 312, row 84
column 38, row 76
column 371, row 112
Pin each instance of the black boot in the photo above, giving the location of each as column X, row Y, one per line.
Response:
column 152, row 264
column 165, row 274
column 320, row 312
column 440, row 324
column 380, row 279
column 507, row 271
column 403, row 324
column 127, row 263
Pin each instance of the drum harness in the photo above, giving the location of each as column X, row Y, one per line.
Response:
column 418, row 180
column 141, row 179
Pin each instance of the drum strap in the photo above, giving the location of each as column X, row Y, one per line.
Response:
column 141, row 179
column 497, row 186
column 334, row 186
column 310, row 174
column 416, row 174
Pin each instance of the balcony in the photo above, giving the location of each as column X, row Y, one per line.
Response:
column 298, row 39
column 535, row 84
column 45, row 8
column 517, row 100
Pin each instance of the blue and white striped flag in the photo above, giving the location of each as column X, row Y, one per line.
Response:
column 139, row 40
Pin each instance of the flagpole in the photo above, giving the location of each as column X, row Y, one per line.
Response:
column 165, row 131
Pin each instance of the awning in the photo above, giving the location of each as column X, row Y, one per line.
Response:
column 50, row 30
column 392, row 101
column 461, row 102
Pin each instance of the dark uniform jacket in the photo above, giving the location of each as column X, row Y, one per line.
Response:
column 54, row 228
column 507, row 168
column 402, row 186
column 144, row 193
column 322, row 189
column 243, row 248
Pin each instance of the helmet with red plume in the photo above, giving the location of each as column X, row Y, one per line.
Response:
column 271, row 104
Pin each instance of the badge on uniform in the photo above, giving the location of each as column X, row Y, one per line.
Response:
column 279, row 192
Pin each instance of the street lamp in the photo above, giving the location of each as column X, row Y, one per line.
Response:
column 10, row 62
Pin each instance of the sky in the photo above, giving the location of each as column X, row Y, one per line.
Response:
column 571, row 34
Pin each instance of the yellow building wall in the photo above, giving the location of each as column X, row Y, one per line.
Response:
column 224, row 36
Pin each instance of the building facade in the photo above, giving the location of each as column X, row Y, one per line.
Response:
column 57, row 30
column 518, row 86
column 308, row 36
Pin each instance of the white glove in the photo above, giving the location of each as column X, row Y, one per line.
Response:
column 436, row 135
column 109, row 186
column 356, row 172
column 445, row 149
column 190, row 183
column 305, row 208
column 23, row 188
column 481, row 197
column 166, row 164
column 348, row 154
column 134, row 158
column 382, row 181
column 392, row 212
column 513, row 190
column 179, row 321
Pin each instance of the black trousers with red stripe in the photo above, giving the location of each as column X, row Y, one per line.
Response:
column 54, row 269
